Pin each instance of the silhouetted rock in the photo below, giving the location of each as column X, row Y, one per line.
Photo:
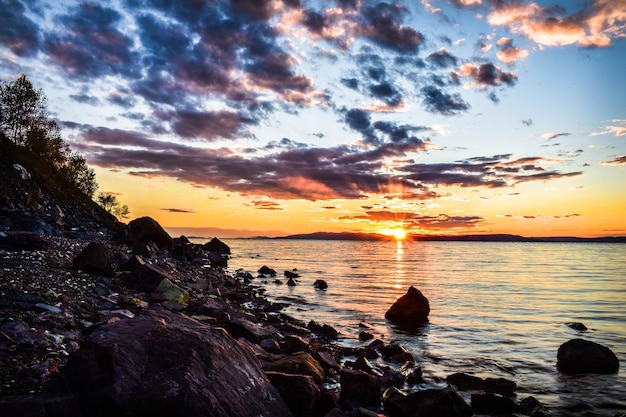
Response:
column 266, row 270
column 291, row 282
column 290, row 274
column 323, row 329
column 465, row 382
column 146, row 230
column 299, row 363
column 410, row 310
column 94, row 259
column 320, row 284
column 428, row 403
column 576, row 326
column 162, row 363
column 489, row 403
column 411, row 373
column 395, row 352
column 530, row 406
column 217, row 246
column 146, row 278
column 359, row 388
column 579, row 356
column 294, row 343
column 217, row 260
column 299, row 392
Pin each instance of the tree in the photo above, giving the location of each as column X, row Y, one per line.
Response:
column 108, row 201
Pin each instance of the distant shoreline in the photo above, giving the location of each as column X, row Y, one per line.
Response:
column 373, row 237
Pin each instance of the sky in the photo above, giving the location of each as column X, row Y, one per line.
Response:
column 246, row 118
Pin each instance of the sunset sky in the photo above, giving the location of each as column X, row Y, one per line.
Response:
column 244, row 118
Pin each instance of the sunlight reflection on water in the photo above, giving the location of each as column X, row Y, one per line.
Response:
column 497, row 309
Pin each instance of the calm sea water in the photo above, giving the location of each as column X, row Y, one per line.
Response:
column 497, row 309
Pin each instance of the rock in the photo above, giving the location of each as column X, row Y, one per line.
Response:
column 428, row 403
column 146, row 278
column 266, row 270
column 489, row 403
column 576, row 326
column 326, row 360
column 217, row 246
column 395, row 352
column 410, row 310
column 255, row 333
column 323, row 329
column 24, row 241
column 145, row 230
column 365, row 336
column 299, row 392
column 23, row 172
column 411, row 373
column 359, row 388
column 217, row 260
column 579, row 356
column 94, row 259
column 290, row 274
column 530, row 406
column 291, row 282
column 320, row 284
column 300, row 363
column 293, row 343
column 163, row 363
column 464, row 382
column 171, row 294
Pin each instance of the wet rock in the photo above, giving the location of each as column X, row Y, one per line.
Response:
column 323, row 329
column 411, row 373
column 266, row 270
column 255, row 333
column 300, row 392
column 465, row 382
column 217, row 246
column 359, row 388
column 145, row 230
column 217, row 260
column 294, row 343
column 94, row 259
column 395, row 352
column 410, row 310
column 365, row 336
column 327, row 360
column 530, row 406
column 291, row 282
column 299, row 363
column 576, row 326
column 162, row 363
column 489, row 403
column 320, row 284
column 428, row 403
column 290, row 274
column 579, row 356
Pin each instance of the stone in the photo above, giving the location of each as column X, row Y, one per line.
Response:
column 359, row 388
column 171, row 293
column 326, row 360
column 576, row 326
column 300, row 392
column 489, row 403
column 266, row 270
column 163, row 363
column 145, row 230
column 579, row 356
column 410, row 310
column 299, row 363
column 26, row 241
column 428, row 403
column 294, row 343
column 530, row 406
column 465, row 382
column 291, row 282
column 94, row 259
column 217, row 246
column 411, row 373
column 146, row 278
column 394, row 352
column 320, row 284
column 290, row 274
column 253, row 332
column 365, row 336
column 323, row 329
column 217, row 260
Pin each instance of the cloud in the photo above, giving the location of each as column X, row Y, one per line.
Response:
column 209, row 125
column 442, row 59
column 178, row 210
column 487, row 75
column 437, row 101
column 85, row 99
column 17, row 32
column 596, row 24
column 551, row 135
column 382, row 24
column 508, row 53
column 618, row 160
column 618, row 128
column 411, row 220
column 267, row 205
column 527, row 122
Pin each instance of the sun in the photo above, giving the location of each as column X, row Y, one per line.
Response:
column 399, row 233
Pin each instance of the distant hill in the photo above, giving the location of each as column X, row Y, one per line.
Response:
column 454, row 238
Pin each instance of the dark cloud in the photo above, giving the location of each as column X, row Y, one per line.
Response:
column 209, row 125
column 416, row 220
column 550, row 136
column 382, row 24
column 442, row 59
column 527, row 122
column 267, row 205
column 618, row 160
column 488, row 74
column 352, row 83
column 178, row 210
column 437, row 101
column 18, row 32
column 85, row 99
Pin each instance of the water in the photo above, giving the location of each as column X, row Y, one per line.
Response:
column 497, row 309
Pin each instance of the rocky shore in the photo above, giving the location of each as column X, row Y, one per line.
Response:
column 140, row 324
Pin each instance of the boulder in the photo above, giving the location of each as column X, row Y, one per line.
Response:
column 359, row 388
column 94, row 259
column 465, row 382
column 146, row 278
column 253, row 332
column 579, row 356
column 293, row 344
column 299, row 392
column 290, row 274
column 291, row 282
column 411, row 373
column 320, row 284
column 576, row 326
column 145, row 230
column 530, row 406
column 489, row 403
column 161, row 363
column 428, row 403
column 266, row 270
column 217, row 260
column 217, row 246
column 171, row 295
column 410, row 310
column 299, row 363
column 322, row 329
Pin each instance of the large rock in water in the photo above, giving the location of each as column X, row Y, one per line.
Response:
column 146, row 229
column 165, row 364
column 579, row 356
column 217, row 246
column 410, row 310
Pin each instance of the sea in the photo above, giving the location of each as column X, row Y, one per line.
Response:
column 498, row 309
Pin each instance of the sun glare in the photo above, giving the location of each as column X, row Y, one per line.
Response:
column 399, row 233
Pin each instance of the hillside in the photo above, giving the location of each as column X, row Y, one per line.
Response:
column 35, row 198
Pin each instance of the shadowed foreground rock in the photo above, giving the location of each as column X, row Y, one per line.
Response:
column 162, row 363
column 410, row 310
column 579, row 356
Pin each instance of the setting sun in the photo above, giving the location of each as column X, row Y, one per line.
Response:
column 399, row 234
